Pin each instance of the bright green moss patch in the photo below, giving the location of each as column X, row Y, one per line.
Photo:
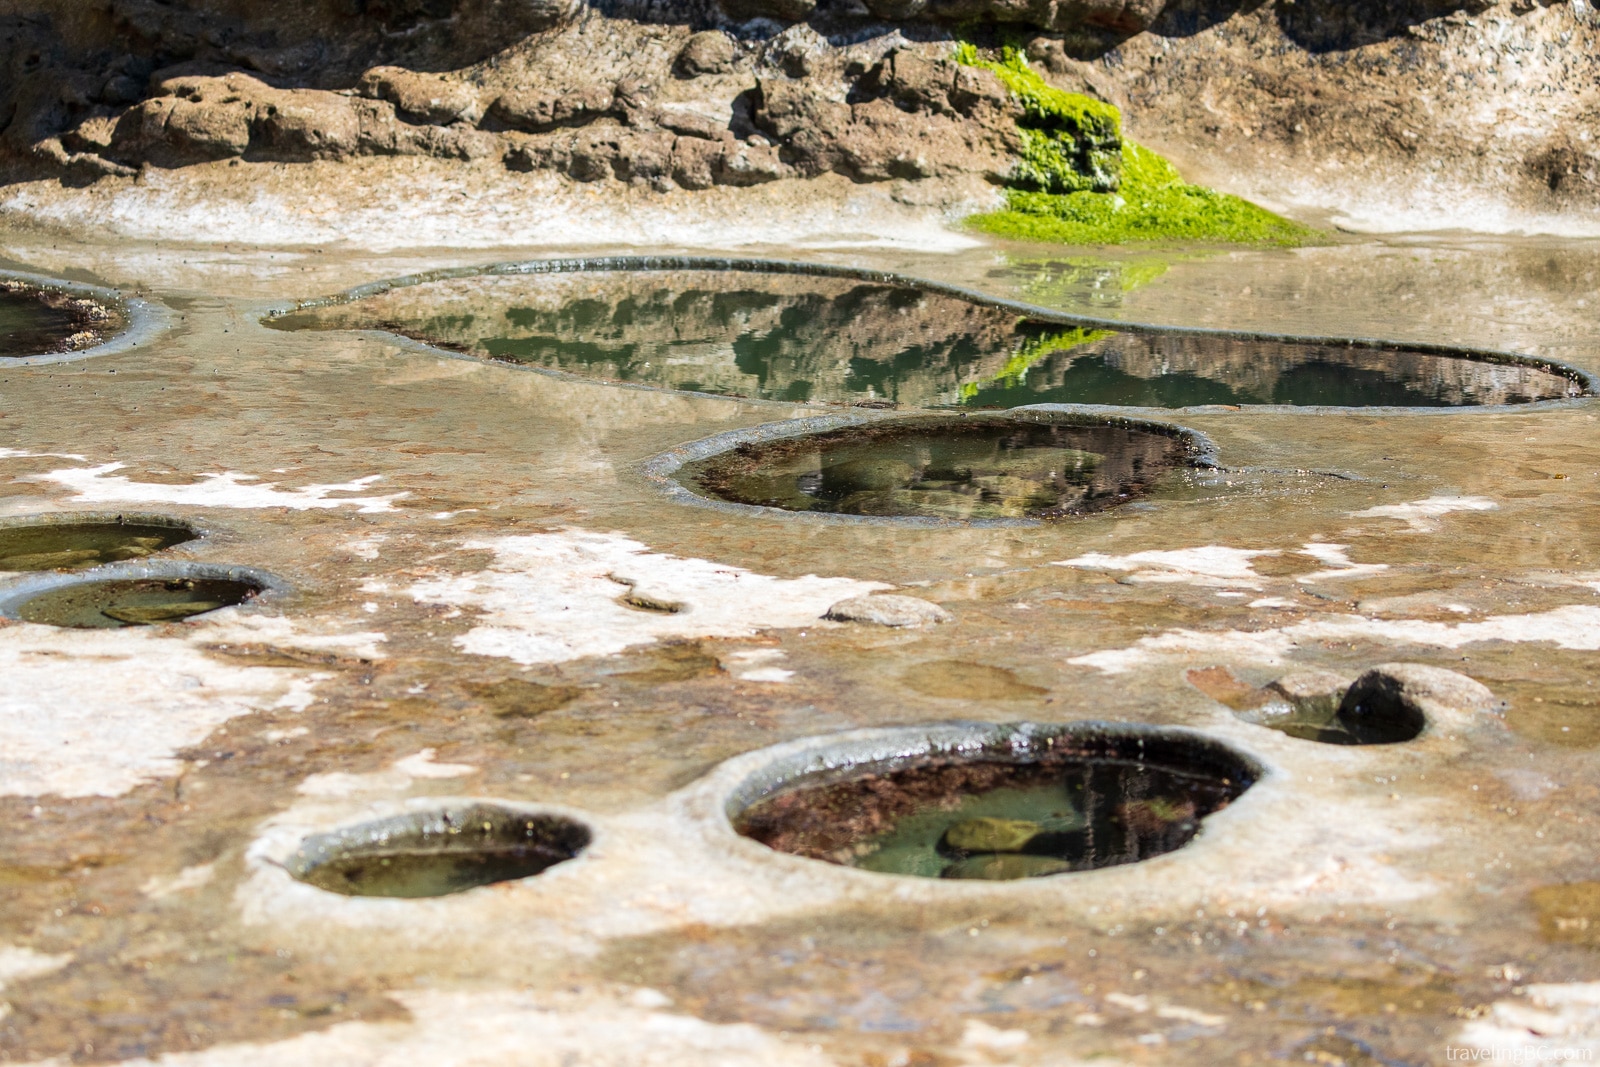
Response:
column 1070, row 142
column 1078, row 181
column 1166, row 213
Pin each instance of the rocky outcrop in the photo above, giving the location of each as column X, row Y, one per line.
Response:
column 1469, row 111
column 710, row 111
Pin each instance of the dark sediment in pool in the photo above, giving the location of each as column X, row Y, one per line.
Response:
column 117, row 602
column 435, row 854
column 36, row 320
column 1087, row 804
column 799, row 337
column 954, row 468
column 43, row 546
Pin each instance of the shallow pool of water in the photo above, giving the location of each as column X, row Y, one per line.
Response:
column 435, row 855
column 34, row 321
column 798, row 337
column 992, row 820
column 946, row 468
column 118, row 602
column 75, row 545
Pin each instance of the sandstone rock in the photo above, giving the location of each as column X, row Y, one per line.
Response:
column 422, row 98
column 1121, row 16
column 691, row 124
column 708, row 52
column 889, row 610
column 1312, row 691
column 534, row 112
column 695, row 162
column 619, row 152
column 543, row 14
column 1417, row 690
column 307, row 125
column 750, row 164
column 897, row 10
column 171, row 131
column 797, row 51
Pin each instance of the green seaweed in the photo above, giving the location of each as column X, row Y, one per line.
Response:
column 1079, row 181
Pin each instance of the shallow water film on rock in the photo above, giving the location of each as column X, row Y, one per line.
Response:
column 795, row 533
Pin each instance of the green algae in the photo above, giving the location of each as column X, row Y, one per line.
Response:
column 1070, row 142
column 1079, row 181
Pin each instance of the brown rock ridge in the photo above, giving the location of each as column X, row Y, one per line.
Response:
column 1428, row 112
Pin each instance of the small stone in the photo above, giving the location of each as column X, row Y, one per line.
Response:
column 711, row 52
column 1312, row 691
column 422, row 97
column 1005, row 868
column 989, row 835
column 889, row 610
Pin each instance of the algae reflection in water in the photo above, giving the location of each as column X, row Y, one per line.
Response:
column 838, row 340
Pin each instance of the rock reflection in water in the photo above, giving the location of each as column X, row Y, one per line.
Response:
column 75, row 545
column 993, row 820
column 113, row 603
column 946, row 468
column 798, row 337
column 34, row 321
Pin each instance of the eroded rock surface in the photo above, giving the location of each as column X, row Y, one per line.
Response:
column 1433, row 110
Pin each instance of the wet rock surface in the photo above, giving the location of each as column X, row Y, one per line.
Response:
column 1365, row 893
